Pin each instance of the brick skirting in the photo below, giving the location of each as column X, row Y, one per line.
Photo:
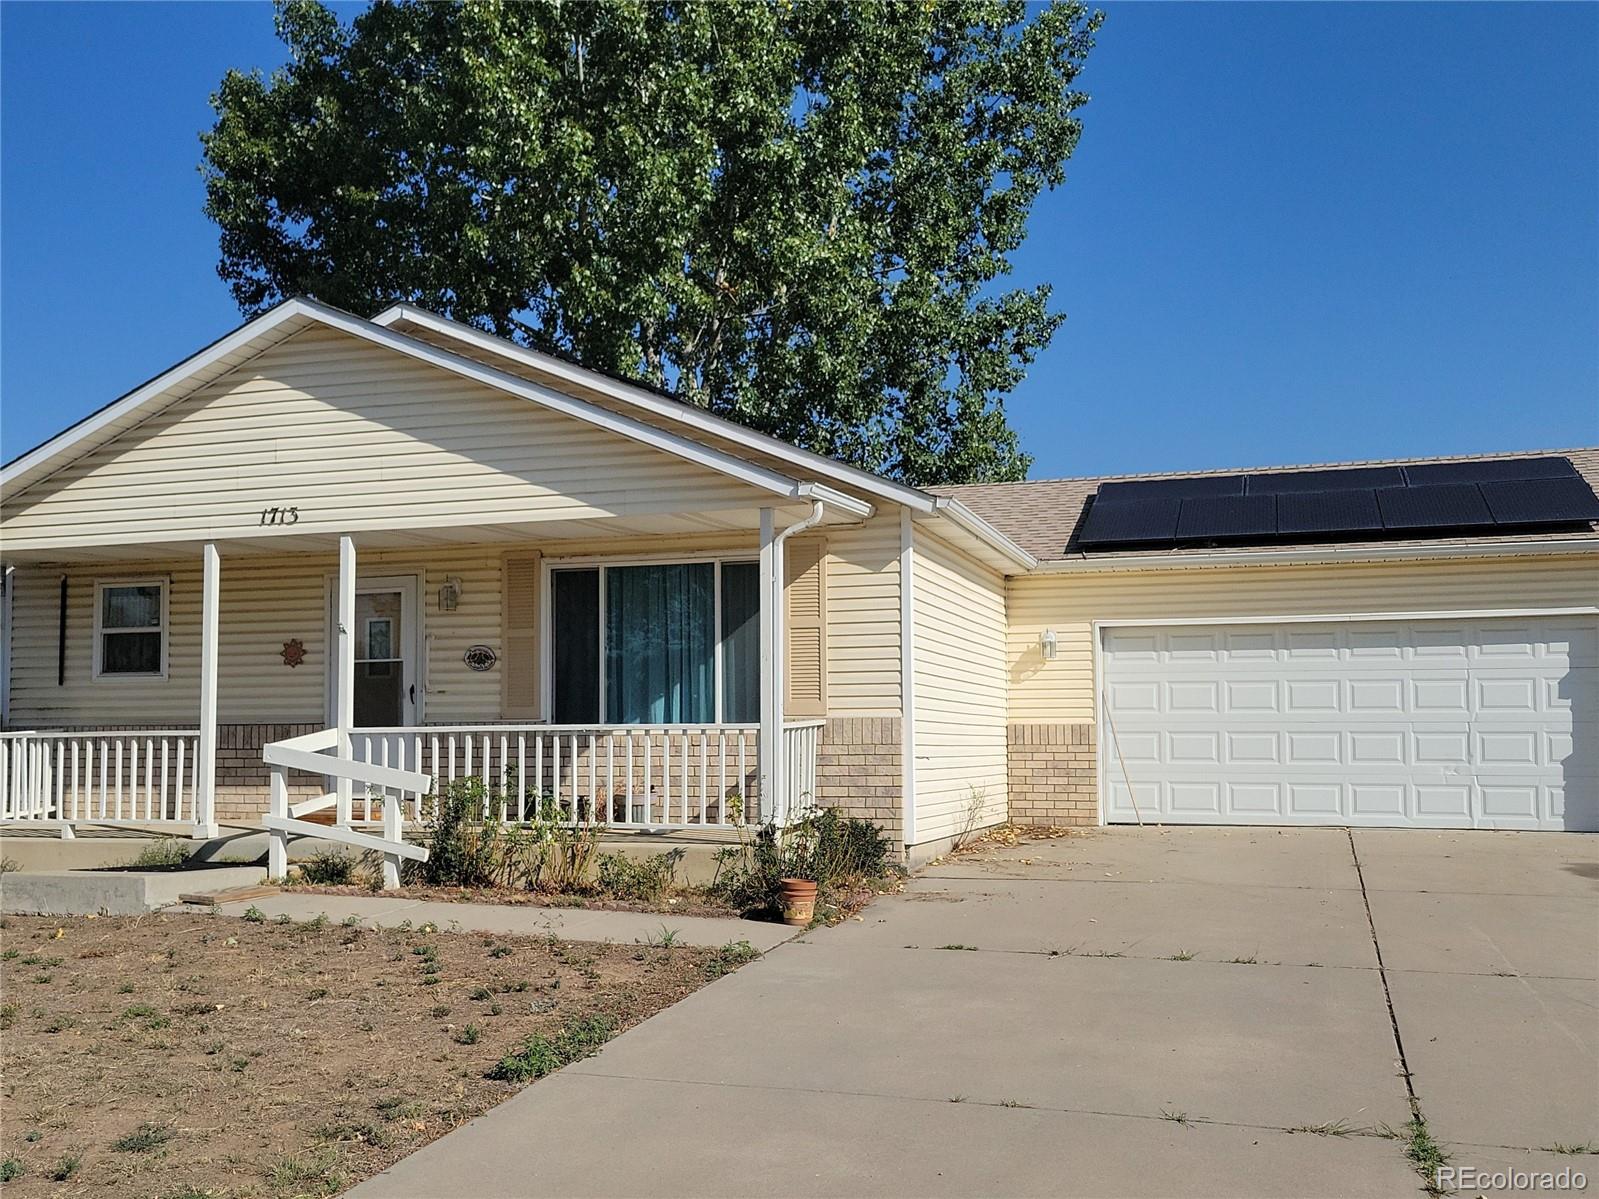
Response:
column 1051, row 773
column 858, row 771
column 243, row 778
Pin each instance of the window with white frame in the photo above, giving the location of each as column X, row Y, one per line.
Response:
column 130, row 633
column 656, row 643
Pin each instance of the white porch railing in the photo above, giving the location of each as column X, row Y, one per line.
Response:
column 625, row 776
column 800, row 740
column 135, row 777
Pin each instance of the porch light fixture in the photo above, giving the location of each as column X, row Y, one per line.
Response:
column 1046, row 643
column 449, row 593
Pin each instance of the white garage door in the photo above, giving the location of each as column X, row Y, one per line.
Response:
column 1488, row 723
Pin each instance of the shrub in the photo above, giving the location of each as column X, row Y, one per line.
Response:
column 822, row 846
column 143, row 1139
column 473, row 846
column 168, row 853
column 644, row 880
column 328, row 868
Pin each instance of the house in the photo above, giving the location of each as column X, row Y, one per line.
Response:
column 327, row 559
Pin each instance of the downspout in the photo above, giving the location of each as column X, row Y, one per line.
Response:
column 778, row 772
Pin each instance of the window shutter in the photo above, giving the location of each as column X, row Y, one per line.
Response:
column 519, row 611
column 805, row 630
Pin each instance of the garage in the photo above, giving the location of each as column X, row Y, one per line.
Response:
column 1488, row 722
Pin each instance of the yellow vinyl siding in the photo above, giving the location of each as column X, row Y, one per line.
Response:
column 1068, row 602
column 959, row 647
column 863, row 618
column 265, row 601
column 355, row 437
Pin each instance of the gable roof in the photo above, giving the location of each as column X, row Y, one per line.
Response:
column 1043, row 516
column 294, row 316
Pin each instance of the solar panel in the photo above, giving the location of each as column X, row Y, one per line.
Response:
column 1152, row 489
column 1328, row 512
column 1282, row 482
column 1131, row 523
column 1207, row 518
column 1490, row 471
column 1447, row 505
column 1539, row 501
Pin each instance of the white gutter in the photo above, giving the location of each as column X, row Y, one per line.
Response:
column 820, row 493
column 1313, row 555
column 965, row 518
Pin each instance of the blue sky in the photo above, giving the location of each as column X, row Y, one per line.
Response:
column 1292, row 233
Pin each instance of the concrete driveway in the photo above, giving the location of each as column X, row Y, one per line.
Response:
column 1128, row 1012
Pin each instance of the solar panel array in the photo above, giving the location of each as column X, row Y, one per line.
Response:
column 1479, row 497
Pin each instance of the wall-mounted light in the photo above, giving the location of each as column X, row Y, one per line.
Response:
column 449, row 593
column 1046, row 643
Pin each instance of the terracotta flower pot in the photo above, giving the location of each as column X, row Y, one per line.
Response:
column 799, row 901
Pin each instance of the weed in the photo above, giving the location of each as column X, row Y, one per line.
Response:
column 44, row 979
column 147, row 1016
column 470, row 1035
column 822, row 846
column 328, row 868
column 11, row 1169
column 66, row 1166
column 8, row 1014
column 500, row 951
column 481, row 995
column 125, row 989
column 667, row 939
column 1175, row 1117
column 1333, row 1128
column 958, row 945
column 541, row 1054
column 316, row 993
column 254, row 915
column 1425, row 1154
column 10, row 954
column 1182, row 955
column 1013, row 1103
column 291, row 1175
column 351, row 922
column 957, row 1099
column 283, row 918
column 397, row 1107
column 60, row 1023
column 1105, row 953
column 143, row 1139
column 1251, row 960
column 1583, row 1147
column 169, row 853
column 495, row 1009
column 730, row 957
column 33, row 1136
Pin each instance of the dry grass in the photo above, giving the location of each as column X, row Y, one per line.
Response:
column 186, row 1055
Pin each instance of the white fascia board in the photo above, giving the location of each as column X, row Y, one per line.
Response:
column 659, row 405
column 968, row 520
column 120, row 409
column 559, row 401
column 1325, row 556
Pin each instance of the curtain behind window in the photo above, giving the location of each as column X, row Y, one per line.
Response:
column 660, row 637
column 741, row 642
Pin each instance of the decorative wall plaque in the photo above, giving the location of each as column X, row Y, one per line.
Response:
column 480, row 657
column 293, row 652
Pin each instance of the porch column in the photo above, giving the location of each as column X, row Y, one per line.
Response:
column 770, row 747
column 344, row 684
column 205, row 788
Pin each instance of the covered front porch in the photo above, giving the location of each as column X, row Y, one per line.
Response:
column 622, row 673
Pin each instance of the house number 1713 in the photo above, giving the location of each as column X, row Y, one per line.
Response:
column 280, row 516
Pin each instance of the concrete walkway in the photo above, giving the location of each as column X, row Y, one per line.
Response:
column 570, row 924
column 1132, row 1012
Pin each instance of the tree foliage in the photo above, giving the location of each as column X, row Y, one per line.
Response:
column 797, row 215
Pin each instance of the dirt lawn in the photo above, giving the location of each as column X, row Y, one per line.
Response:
column 192, row 1056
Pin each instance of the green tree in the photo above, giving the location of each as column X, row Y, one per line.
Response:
column 798, row 215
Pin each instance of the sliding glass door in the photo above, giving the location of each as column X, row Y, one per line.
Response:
column 659, row 643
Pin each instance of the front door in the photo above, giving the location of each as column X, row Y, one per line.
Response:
column 385, row 652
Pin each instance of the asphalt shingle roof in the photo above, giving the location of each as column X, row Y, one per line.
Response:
column 1042, row 515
